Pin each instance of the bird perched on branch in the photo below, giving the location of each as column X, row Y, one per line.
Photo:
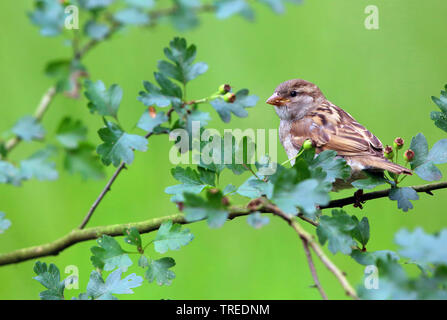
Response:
column 306, row 114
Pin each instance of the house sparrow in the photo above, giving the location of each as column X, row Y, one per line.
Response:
column 305, row 114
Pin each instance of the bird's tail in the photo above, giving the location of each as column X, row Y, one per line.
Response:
column 382, row 163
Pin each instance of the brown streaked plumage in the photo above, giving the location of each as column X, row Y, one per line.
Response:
column 306, row 114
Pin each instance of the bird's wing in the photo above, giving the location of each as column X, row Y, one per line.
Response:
column 331, row 128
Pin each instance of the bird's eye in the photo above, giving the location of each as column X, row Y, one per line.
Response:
column 293, row 93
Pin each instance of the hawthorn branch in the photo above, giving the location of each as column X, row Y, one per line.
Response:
column 77, row 235
column 340, row 203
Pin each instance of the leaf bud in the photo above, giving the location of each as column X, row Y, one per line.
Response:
column 224, row 88
column 229, row 97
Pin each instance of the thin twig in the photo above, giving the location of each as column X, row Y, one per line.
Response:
column 313, row 270
column 42, row 107
column 303, row 234
column 105, row 190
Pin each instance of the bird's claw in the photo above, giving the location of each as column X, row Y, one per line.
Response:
column 358, row 199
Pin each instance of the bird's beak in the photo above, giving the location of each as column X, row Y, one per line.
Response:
column 276, row 100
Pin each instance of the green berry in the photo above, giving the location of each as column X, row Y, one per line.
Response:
column 229, row 97
column 307, row 145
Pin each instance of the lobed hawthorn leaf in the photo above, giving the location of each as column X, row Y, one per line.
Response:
column 403, row 197
column 28, row 128
column 132, row 16
column 37, row 166
column 373, row 180
column 71, row 132
column 184, row 18
column 95, row 4
column 254, row 188
column 132, row 237
column 422, row 247
column 192, row 181
column 97, row 289
column 143, row 4
column 4, row 223
column 118, row 145
column 147, row 123
column 49, row 16
column 229, row 189
column 103, row 101
column 143, row 262
column 212, row 208
column 337, row 230
column 168, row 94
column 84, row 161
column 370, row 258
column 424, row 161
column 333, row 166
column 238, row 107
column 109, row 255
column 50, row 278
column 96, row 30
column 228, row 8
column 306, row 194
column 361, row 230
column 9, row 173
column 171, row 237
column 182, row 55
column 158, row 270
column 257, row 221
column 440, row 117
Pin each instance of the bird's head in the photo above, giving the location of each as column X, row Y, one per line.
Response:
column 293, row 98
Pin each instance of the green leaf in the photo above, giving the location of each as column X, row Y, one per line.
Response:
column 440, row 118
column 373, row 180
column 96, row 30
column 4, row 223
column 143, row 262
column 160, row 97
column 182, row 55
column 132, row 237
column 192, row 181
column 95, row 4
column 254, row 188
column 361, row 230
column 238, row 107
column 333, row 166
column 337, row 231
column 28, row 128
column 229, row 189
column 228, row 8
column 158, row 270
column 148, row 123
column 306, row 195
column 104, row 101
column 97, row 289
column 424, row 161
column 257, row 221
column 50, row 278
column 171, row 237
column 84, row 161
column 37, row 166
column 143, row 4
column 132, row 16
column 184, row 18
column 370, row 258
column 422, row 247
column 118, row 145
column 9, row 173
column 70, row 133
column 196, row 208
column 403, row 197
column 49, row 16
column 109, row 255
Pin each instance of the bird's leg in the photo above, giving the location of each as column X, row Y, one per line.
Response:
column 358, row 199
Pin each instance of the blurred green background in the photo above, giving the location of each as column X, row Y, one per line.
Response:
column 384, row 78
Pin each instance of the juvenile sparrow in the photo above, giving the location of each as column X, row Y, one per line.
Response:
column 305, row 113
